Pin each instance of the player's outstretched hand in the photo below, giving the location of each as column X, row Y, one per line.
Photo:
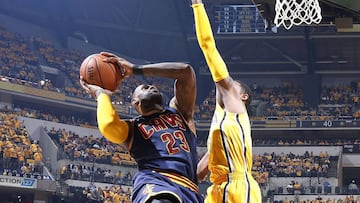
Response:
column 93, row 90
column 124, row 65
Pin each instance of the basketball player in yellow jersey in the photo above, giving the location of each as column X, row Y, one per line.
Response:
column 229, row 156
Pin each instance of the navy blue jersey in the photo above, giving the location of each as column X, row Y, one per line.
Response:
column 164, row 142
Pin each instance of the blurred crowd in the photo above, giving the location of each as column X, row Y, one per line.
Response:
column 19, row 154
column 38, row 63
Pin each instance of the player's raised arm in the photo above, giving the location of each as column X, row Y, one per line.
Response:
column 207, row 44
column 184, row 87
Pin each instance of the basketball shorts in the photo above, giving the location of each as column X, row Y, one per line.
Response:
column 148, row 184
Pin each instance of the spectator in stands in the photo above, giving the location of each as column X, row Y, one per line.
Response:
column 327, row 187
column 298, row 188
column 353, row 188
column 162, row 141
column 229, row 155
column 290, row 187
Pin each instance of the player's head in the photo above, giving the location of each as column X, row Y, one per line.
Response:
column 245, row 93
column 146, row 98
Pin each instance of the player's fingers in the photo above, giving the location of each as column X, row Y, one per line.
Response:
column 113, row 60
column 110, row 60
column 82, row 81
column 107, row 54
column 122, row 69
column 118, row 62
column 84, row 85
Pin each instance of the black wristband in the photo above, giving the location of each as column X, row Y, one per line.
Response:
column 137, row 69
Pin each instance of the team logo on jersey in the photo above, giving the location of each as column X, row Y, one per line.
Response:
column 148, row 189
column 161, row 123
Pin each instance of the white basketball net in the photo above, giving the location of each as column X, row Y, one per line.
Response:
column 297, row 12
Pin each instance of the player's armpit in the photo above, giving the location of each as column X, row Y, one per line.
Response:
column 109, row 123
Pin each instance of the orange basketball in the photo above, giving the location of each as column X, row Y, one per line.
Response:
column 97, row 72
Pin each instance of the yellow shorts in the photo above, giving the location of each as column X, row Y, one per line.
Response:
column 238, row 190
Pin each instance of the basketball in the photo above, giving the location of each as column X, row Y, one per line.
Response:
column 95, row 71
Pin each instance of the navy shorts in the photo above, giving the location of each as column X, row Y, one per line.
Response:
column 148, row 184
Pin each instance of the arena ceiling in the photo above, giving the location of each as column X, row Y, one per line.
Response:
column 162, row 30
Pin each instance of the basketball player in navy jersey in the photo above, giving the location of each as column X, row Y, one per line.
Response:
column 161, row 140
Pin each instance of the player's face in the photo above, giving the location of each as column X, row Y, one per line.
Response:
column 147, row 93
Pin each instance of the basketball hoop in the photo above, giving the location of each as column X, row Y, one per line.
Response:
column 297, row 12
